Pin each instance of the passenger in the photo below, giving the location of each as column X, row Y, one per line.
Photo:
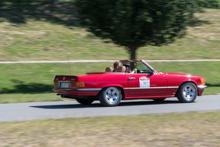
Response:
column 116, row 65
column 121, row 69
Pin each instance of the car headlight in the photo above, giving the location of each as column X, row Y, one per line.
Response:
column 203, row 81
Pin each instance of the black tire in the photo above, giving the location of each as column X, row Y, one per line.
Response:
column 159, row 100
column 85, row 101
column 110, row 96
column 187, row 93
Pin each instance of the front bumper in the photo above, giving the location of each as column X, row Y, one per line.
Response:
column 201, row 89
column 202, row 86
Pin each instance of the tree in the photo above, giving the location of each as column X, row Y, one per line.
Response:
column 136, row 23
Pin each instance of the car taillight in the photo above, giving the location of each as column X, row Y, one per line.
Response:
column 56, row 85
column 74, row 84
column 80, row 84
column 203, row 81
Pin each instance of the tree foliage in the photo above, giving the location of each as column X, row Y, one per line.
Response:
column 209, row 3
column 55, row 2
column 136, row 23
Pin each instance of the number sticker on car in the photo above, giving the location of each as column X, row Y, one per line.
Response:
column 144, row 82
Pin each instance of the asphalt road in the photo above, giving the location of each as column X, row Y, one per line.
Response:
column 65, row 109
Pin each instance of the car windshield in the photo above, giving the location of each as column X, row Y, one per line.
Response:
column 138, row 66
column 141, row 68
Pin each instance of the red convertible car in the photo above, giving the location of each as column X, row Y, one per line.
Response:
column 144, row 83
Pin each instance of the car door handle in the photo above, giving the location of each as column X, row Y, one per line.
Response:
column 131, row 78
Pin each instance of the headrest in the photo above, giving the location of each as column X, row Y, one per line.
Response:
column 108, row 69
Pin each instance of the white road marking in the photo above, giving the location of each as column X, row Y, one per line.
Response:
column 77, row 61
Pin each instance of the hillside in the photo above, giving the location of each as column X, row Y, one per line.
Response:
column 49, row 33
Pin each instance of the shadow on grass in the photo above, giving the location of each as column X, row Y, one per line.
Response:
column 196, row 22
column 212, row 85
column 18, row 11
column 21, row 87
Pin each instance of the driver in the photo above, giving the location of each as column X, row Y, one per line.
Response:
column 128, row 68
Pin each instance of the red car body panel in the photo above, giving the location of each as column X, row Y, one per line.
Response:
column 133, row 86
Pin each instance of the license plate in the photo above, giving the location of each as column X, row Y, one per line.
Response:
column 64, row 85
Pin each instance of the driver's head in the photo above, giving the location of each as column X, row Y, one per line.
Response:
column 127, row 65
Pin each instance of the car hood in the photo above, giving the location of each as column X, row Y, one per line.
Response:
column 180, row 75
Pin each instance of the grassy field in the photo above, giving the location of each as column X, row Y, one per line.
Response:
column 27, row 97
column 33, row 82
column 45, row 32
column 173, row 130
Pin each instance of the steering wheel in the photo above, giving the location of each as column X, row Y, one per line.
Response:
column 143, row 71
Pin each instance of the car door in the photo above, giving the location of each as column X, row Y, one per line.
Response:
column 147, row 84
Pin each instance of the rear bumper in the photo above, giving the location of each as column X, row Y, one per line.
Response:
column 85, row 89
column 78, row 92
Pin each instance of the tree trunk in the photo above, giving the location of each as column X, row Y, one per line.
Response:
column 132, row 55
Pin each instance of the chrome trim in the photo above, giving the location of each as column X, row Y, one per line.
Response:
column 173, row 87
column 153, row 87
column 202, row 86
column 63, row 89
column 88, row 89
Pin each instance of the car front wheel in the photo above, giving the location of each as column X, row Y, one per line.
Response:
column 110, row 96
column 187, row 93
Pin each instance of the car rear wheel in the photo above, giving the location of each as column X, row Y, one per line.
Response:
column 110, row 96
column 187, row 93
column 85, row 101
column 159, row 100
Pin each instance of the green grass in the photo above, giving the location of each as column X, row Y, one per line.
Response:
column 35, row 78
column 26, row 97
column 173, row 130
column 33, row 82
column 45, row 32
